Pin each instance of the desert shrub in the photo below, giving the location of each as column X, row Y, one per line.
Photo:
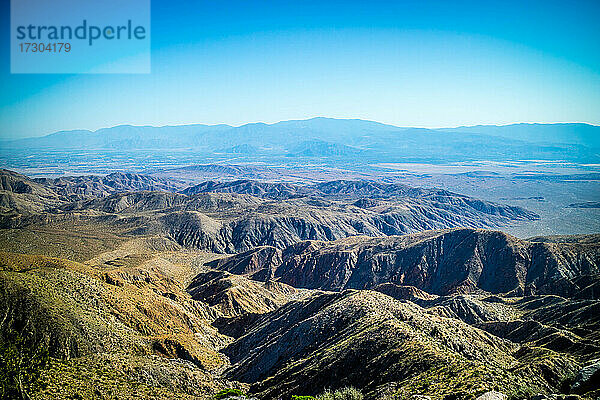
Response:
column 21, row 363
column 522, row 392
column 347, row 393
column 227, row 393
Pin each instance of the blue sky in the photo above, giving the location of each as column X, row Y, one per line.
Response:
column 422, row 63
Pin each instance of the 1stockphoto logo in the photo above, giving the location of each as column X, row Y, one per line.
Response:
column 67, row 36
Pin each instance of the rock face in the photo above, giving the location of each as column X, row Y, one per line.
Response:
column 438, row 262
column 588, row 378
column 256, row 263
column 410, row 293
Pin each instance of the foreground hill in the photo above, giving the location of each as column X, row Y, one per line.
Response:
column 146, row 318
column 102, row 327
column 374, row 342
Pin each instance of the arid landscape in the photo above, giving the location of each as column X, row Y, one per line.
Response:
column 439, row 279
column 300, row 200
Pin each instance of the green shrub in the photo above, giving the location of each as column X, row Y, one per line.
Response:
column 227, row 393
column 21, row 363
column 347, row 393
column 294, row 397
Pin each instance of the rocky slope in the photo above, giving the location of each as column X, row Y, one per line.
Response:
column 124, row 295
column 383, row 346
column 254, row 213
column 438, row 262
column 23, row 200
column 78, row 187
column 255, row 188
column 234, row 295
column 230, row 223
column 91, row 317
column 175, row 328
column 20, row 195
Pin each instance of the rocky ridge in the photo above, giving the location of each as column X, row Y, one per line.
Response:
column 438, row 262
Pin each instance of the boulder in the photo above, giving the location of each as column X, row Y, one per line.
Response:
column 492, row 395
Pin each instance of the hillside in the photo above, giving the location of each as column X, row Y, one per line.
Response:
column 338, row 337
column 78, row 187
column 175, row 325
column 248, row 213
column 438, row 262
column 87, row 317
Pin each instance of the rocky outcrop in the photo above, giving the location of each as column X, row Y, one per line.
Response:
column 470, row 309
column 401, row 292
column 492, row 395
column 255, row 263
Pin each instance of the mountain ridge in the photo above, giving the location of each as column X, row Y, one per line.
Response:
column 339, row 138
column 438, row 262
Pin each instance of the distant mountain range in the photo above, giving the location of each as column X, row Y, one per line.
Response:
column 339, row 139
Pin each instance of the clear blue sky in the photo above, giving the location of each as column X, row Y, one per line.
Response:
column 423, row 63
